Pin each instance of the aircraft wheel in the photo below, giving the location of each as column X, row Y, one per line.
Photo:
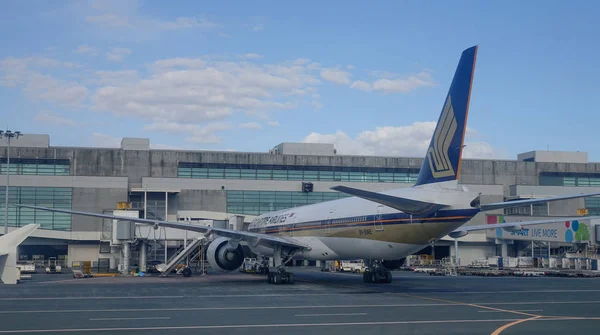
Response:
column 388, row 277
column 367, row 277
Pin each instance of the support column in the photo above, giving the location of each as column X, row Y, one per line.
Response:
column 504, row 249
column 126, row 258
column 457, row 259
column 166, row 205
column 166, row 246
column 143, row 256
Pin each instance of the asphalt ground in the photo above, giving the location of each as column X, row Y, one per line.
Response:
column 318, row 303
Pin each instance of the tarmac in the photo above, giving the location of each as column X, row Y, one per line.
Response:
column 318, row 303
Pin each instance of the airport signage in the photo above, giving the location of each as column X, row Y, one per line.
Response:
column 562, row 232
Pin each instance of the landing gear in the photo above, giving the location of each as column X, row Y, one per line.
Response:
column 376, row 273
column 278, row 274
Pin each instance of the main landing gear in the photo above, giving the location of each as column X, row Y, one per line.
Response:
column 278, row 274
column 376, row 273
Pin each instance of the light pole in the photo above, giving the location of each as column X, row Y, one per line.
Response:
column 9, row 136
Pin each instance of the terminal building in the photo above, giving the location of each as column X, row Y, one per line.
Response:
column 228, row 188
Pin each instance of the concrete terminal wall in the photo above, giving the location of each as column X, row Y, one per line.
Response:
column 136, row 164
column 94, row 200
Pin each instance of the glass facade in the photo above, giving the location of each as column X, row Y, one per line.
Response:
column 57, row 197
column 36, row 166
column 305, row 173
column 258, row 202
column 593, row 205
column 569, row 179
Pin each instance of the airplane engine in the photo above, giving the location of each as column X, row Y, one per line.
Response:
column 221, row 254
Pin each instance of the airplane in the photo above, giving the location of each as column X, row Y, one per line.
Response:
column 9, row 274
column 374, row 226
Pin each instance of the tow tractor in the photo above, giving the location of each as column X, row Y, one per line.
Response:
column 53, row 266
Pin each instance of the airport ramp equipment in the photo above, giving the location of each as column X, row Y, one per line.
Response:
column 165, row 269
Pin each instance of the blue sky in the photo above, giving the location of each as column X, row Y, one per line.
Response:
column 370, row 77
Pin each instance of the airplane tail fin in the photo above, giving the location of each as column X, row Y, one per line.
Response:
column 444, row 155
column 9, row 274
column 12, row 240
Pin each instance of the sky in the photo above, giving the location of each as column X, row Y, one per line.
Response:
column 370, row 76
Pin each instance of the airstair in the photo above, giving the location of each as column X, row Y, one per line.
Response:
column 177, row 258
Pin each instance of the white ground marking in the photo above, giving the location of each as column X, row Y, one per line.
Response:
column 514, row 310
column 281, row 325
column 340, row 314
column 55, row 310
column 236, row 296
column 175, row 296
column 112, row 319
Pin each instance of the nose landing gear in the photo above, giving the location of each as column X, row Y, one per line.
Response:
column 376, row 273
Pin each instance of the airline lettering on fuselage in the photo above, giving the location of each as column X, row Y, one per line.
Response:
column 272, row 219
column 439, row 161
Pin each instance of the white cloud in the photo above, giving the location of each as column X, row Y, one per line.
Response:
column 273, row 123
column 390, row 83
column 117, row 54
column 126, row 21
column 336, row 76
column 403, row 85
column 51, row 117
column 361, row 85
column 66, row 93
column 145, row 24
column 114, row 77
column 194, row 90
column 195, row 132
column 110, row 21
column 86, row 50
column 25, row 72
column 258, row 27
column 186, row 23
column 403, row 141
column 251, row 125
column 105, row 141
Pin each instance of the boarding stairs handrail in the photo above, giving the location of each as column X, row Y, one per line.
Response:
column 181, row 248
column 166, row 268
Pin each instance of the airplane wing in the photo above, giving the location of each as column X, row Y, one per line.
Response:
column 253, row 239
column 525, row 202
column 408, row 206
column 514, row 226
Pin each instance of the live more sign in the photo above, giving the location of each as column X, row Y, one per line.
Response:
column 566, row 231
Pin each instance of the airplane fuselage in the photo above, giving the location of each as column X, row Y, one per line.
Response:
column 354, row 228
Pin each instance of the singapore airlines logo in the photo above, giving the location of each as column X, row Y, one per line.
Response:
column 439, row 161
